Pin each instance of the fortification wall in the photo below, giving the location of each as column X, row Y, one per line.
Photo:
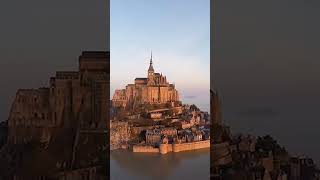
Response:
column 190, row 146
column 144, row 149
column 166, row 148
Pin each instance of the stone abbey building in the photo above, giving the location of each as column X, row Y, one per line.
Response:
column 74, row 98
column 61, row 129
column 154, row 89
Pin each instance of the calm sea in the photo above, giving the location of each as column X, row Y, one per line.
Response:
column 172, row 166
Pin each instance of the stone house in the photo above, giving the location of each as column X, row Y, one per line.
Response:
column 197, row 136
column 153, row 136
column 155, row 115
column 169, row 131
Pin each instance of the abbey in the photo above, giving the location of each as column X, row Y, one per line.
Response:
column 47, row 126
column 73, row 97
column 151, row 90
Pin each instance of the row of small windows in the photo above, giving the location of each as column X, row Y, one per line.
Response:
column 27, row 99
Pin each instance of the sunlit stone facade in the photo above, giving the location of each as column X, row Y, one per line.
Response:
column 153, row 89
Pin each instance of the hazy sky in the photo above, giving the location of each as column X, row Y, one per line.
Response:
column 38, row 38
column 177, row 32
column 266, row 67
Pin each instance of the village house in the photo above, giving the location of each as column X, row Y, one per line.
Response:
column 168, row 131
column 153, row 136
column 155, row 115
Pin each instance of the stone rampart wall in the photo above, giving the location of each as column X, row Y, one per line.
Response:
column 166, row 148
column 144, row 149
column 190, row 146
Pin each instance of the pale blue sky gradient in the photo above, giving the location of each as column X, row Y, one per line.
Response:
column 177, row 32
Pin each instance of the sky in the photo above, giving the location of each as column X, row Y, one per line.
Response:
column 178, row 34
column 265, row 58
column 38, row 38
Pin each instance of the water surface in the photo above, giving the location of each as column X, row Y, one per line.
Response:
column 171, row 166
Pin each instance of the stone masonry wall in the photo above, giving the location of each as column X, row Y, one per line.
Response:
column 190, row 146
column 119, row 134
column 166, row 148
column 145, row 149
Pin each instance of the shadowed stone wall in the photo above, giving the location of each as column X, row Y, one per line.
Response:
column 61, row 129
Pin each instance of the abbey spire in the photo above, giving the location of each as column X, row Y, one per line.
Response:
column 150, row 70
column 151, row 89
